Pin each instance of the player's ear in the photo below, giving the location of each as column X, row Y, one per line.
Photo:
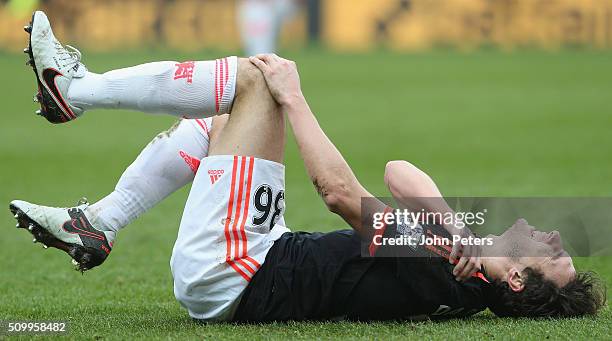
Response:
column 516, row 280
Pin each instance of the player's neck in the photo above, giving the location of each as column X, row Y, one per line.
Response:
column 496, row 267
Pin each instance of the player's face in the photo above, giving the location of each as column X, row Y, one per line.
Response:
column 539, row 250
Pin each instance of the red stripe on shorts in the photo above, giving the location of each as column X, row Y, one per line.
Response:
column 238, row 270
column 238, row 207
column 246, row 214
column 230, row 204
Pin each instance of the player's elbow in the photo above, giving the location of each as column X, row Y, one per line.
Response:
column 393, row 172
column 405, row 180
column 333, row 202
column 335, row 195
column 391, row 168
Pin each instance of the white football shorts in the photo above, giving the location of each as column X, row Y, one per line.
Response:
column 232, row 217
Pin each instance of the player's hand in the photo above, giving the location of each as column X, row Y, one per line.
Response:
column 466, row 257
column 281, row 76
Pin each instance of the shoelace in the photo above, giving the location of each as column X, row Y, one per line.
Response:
column 68, row 53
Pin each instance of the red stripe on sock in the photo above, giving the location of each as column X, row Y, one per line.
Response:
column 205, row 126
column 202, row 124
column 226, row 70
column 221, row 82
column 226, row 76
column 217, row 85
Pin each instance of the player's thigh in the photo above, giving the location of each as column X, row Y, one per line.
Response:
column 256, row 126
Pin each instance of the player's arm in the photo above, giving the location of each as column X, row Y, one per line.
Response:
column 413, row 189
column 329, row 172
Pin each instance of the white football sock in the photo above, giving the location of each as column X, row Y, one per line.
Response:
column 165, row 165
column 188, row 89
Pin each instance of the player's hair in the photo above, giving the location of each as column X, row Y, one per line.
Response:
column 583, row 295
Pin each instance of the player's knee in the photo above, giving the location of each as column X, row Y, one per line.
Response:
column 220, row 121
column 249, row 77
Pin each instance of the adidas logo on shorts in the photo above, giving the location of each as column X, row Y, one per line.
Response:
column 215, row 174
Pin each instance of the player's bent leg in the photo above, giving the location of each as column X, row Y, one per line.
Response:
column 232, row 217
column 234, row 212
column 86, row 232
column 165, row 165
column 193, row 89
column 256, row 127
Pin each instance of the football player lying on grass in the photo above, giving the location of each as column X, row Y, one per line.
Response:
column 234, row 259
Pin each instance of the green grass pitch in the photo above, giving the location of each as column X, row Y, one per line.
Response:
column 482, row 124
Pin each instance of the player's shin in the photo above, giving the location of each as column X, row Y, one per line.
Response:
column 165, row 165
column 193, row 89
